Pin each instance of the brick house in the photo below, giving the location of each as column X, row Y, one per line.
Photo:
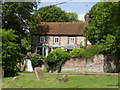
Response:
column 51, row 35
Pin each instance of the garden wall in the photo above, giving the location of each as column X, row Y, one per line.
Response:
column 100, row 63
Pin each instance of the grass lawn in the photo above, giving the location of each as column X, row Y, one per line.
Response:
column 50, row 81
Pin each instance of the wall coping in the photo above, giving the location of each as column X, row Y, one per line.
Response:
column 88, row 74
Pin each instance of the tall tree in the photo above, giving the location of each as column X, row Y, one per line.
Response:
column 54, row 14
column 103, row 20
column 104, row 26
column 17, row 16
column 9, row 52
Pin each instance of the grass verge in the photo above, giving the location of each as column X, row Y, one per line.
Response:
column 50, row 81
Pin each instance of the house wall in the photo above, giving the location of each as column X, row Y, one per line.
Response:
column 63, row 40
column 81, row 40
column 49, row 40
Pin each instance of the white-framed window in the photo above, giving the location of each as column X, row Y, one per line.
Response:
column 72, row 40
column 42, row 39
column 56, row 39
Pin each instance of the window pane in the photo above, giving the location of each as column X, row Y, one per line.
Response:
column 56, row 40
column 42, row 39
column 72, row 40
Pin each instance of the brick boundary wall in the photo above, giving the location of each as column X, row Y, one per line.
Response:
column 100, row 63
column 88, row 74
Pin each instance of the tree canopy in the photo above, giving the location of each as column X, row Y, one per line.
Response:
column 103, row 20
column 55, row 14
column 104, row 26
column 10, row 50
column 73, row 17
column 17, row 16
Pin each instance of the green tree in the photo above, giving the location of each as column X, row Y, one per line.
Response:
column 55, row 14
column 26, row 42
column 17, row 16
column 103, row 20
column 0, row 46
column 104, row 26
column 10, row 52
column 73, row 17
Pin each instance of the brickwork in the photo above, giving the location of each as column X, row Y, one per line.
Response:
column 60, row 40
column 98, row 64
column 68, row 39
column 53, row 41
column 89, row 74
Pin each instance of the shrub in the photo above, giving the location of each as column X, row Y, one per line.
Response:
column 93, row 50
column 56, row 59
column 76, row 52
column 36, row 59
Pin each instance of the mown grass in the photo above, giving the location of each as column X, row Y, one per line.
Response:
column 24, row 72
column 50, row 81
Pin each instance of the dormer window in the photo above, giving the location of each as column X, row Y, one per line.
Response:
column 56, row 39
column 42, row 39
column 72, row 40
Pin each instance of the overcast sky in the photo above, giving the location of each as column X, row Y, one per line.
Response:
column 76, row 6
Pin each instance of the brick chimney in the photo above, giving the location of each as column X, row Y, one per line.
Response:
column 38, row 19
column 86, row 19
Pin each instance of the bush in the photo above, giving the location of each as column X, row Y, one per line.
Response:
column 93, row 50
column 56, row 59
column 76, row 52
column 36, row 59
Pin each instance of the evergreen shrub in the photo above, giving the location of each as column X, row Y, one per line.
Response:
column 56, row 59
column 76, row 52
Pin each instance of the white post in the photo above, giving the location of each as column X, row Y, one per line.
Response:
column 51, row 49
column 42, row 51
column 36, row 50
column 46, row 51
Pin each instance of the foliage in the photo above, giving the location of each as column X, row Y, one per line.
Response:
column 26, row 42
column 55, row 14
column 36, row 59
column 93, row 50
column 103, row 20
column 76, row 52
column 0, row 47
column 17, row 16
column 73, row 17
column 10, row 51
column 56, row 59
column 20, row 14
column 104, row 27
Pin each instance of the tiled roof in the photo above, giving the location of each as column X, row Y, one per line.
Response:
column 61, row 28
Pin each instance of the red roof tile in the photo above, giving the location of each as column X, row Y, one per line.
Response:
column 61, row 28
